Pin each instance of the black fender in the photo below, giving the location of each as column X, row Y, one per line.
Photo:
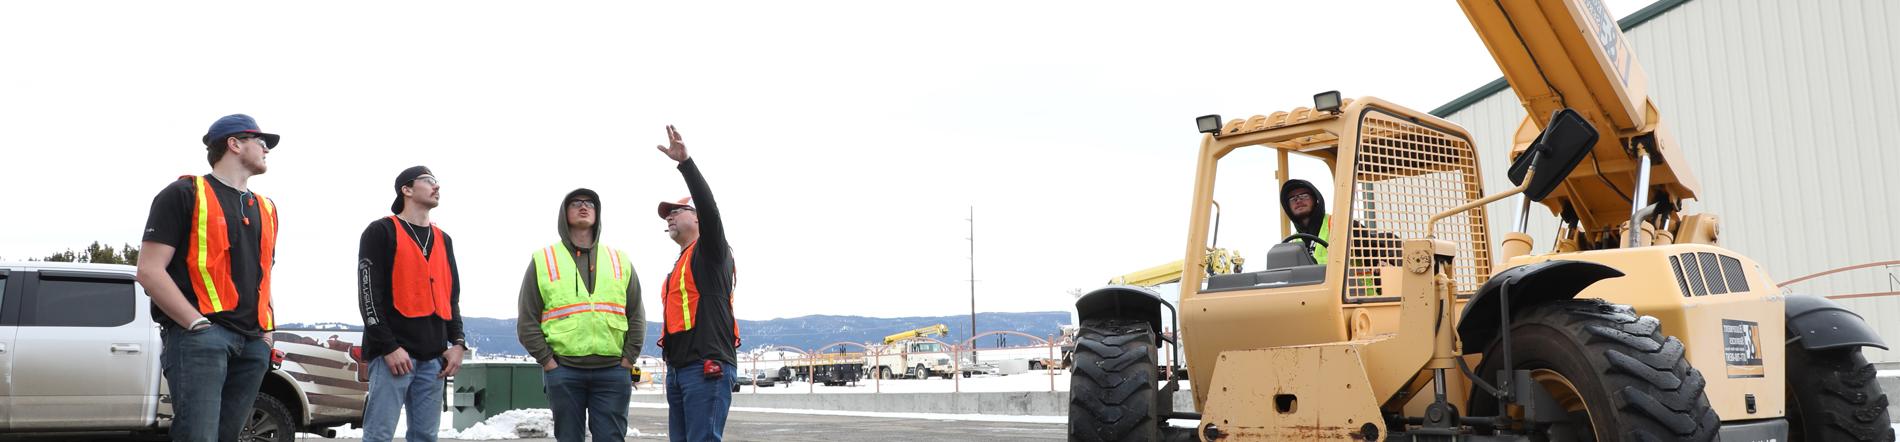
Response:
column 1821, row 324
column 1122, row 302
column 1529, row 286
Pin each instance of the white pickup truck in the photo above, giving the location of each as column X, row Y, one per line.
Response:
column 79, row 354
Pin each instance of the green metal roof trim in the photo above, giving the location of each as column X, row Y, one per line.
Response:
column 1499, row 85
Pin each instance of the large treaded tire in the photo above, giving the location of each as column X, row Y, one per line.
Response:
column 1832, row 396
column 1112, row 392
column 1632, row 379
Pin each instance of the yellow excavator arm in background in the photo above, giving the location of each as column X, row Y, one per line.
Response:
column 934, row 330
column 1218, row 261
column 1571, row 54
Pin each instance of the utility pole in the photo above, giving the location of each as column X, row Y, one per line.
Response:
column 972, row 238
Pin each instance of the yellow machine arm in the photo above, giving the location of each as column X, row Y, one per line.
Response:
column 1571, row 53
column 934, row 330
column 1218, row 261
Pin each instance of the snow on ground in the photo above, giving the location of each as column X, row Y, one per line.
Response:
column 511, row 424
column 1034, row 380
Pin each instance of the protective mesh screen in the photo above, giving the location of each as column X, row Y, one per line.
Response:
column 1405, row 173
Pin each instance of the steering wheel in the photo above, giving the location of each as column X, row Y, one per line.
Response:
column 1309, row 239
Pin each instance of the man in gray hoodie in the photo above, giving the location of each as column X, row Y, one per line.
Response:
column 581, row 318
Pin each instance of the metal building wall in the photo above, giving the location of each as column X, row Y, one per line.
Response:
column 1789, row 113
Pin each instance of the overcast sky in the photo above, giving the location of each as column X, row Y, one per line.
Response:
column 846, row 141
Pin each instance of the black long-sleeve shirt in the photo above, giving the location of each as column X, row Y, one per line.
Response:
column 715, row 332
column 385, row 329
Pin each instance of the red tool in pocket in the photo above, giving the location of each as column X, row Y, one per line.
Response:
column 712, row 370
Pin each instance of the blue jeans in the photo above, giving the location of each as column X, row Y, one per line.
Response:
column 696, row 406
column 597, row 397
column 214, row 374
column 420, row 392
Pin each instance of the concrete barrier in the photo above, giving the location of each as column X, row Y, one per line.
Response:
column 1021, row 403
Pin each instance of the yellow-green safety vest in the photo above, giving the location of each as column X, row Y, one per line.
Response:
column 1319, row 250
column 576, row 322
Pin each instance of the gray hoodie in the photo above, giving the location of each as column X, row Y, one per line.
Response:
column 528, row 321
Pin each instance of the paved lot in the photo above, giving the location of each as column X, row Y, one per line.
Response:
column 757, row 426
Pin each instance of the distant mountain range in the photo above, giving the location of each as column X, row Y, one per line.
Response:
column 495, row 336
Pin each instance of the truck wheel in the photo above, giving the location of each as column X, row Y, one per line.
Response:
column 921, row 373
column 269, row 422
column 1616, row 374
column 1112, row 392
column 1832, row 395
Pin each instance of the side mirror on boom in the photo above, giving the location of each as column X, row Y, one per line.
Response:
column 1567, row 138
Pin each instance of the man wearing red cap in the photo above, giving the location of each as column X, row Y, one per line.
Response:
column 206, row 261
column 701, row 338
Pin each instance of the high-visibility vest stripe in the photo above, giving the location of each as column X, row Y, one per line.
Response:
column 603, row 307
column 616, row 258
column 201, row 224
column 267, row 258
column 681, row 273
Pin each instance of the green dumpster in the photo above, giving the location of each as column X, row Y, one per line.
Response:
column 483, row 389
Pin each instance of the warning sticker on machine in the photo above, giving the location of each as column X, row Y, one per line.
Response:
column 1741, row 347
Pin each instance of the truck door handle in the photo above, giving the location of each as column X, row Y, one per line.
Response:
column 130, row 349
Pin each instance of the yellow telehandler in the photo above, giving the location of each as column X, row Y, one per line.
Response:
column 1636, row 326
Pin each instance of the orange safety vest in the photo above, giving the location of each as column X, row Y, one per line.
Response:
column 421, row 286
column 680, row 296
column 208, row 254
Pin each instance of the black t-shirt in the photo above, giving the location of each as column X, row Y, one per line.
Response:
column 170, row 223
column 384, row 328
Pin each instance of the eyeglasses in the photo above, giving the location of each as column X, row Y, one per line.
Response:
column 260, row 142
column 677, row 210
column 1300, row 197
column 429, row 179
column 576, row 204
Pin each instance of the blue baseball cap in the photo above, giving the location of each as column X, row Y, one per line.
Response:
column 236, row 124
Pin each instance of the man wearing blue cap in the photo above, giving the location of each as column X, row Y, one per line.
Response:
column 206, row 260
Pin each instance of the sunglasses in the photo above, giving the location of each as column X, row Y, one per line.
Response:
column 576, row 204
column 260, row 142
